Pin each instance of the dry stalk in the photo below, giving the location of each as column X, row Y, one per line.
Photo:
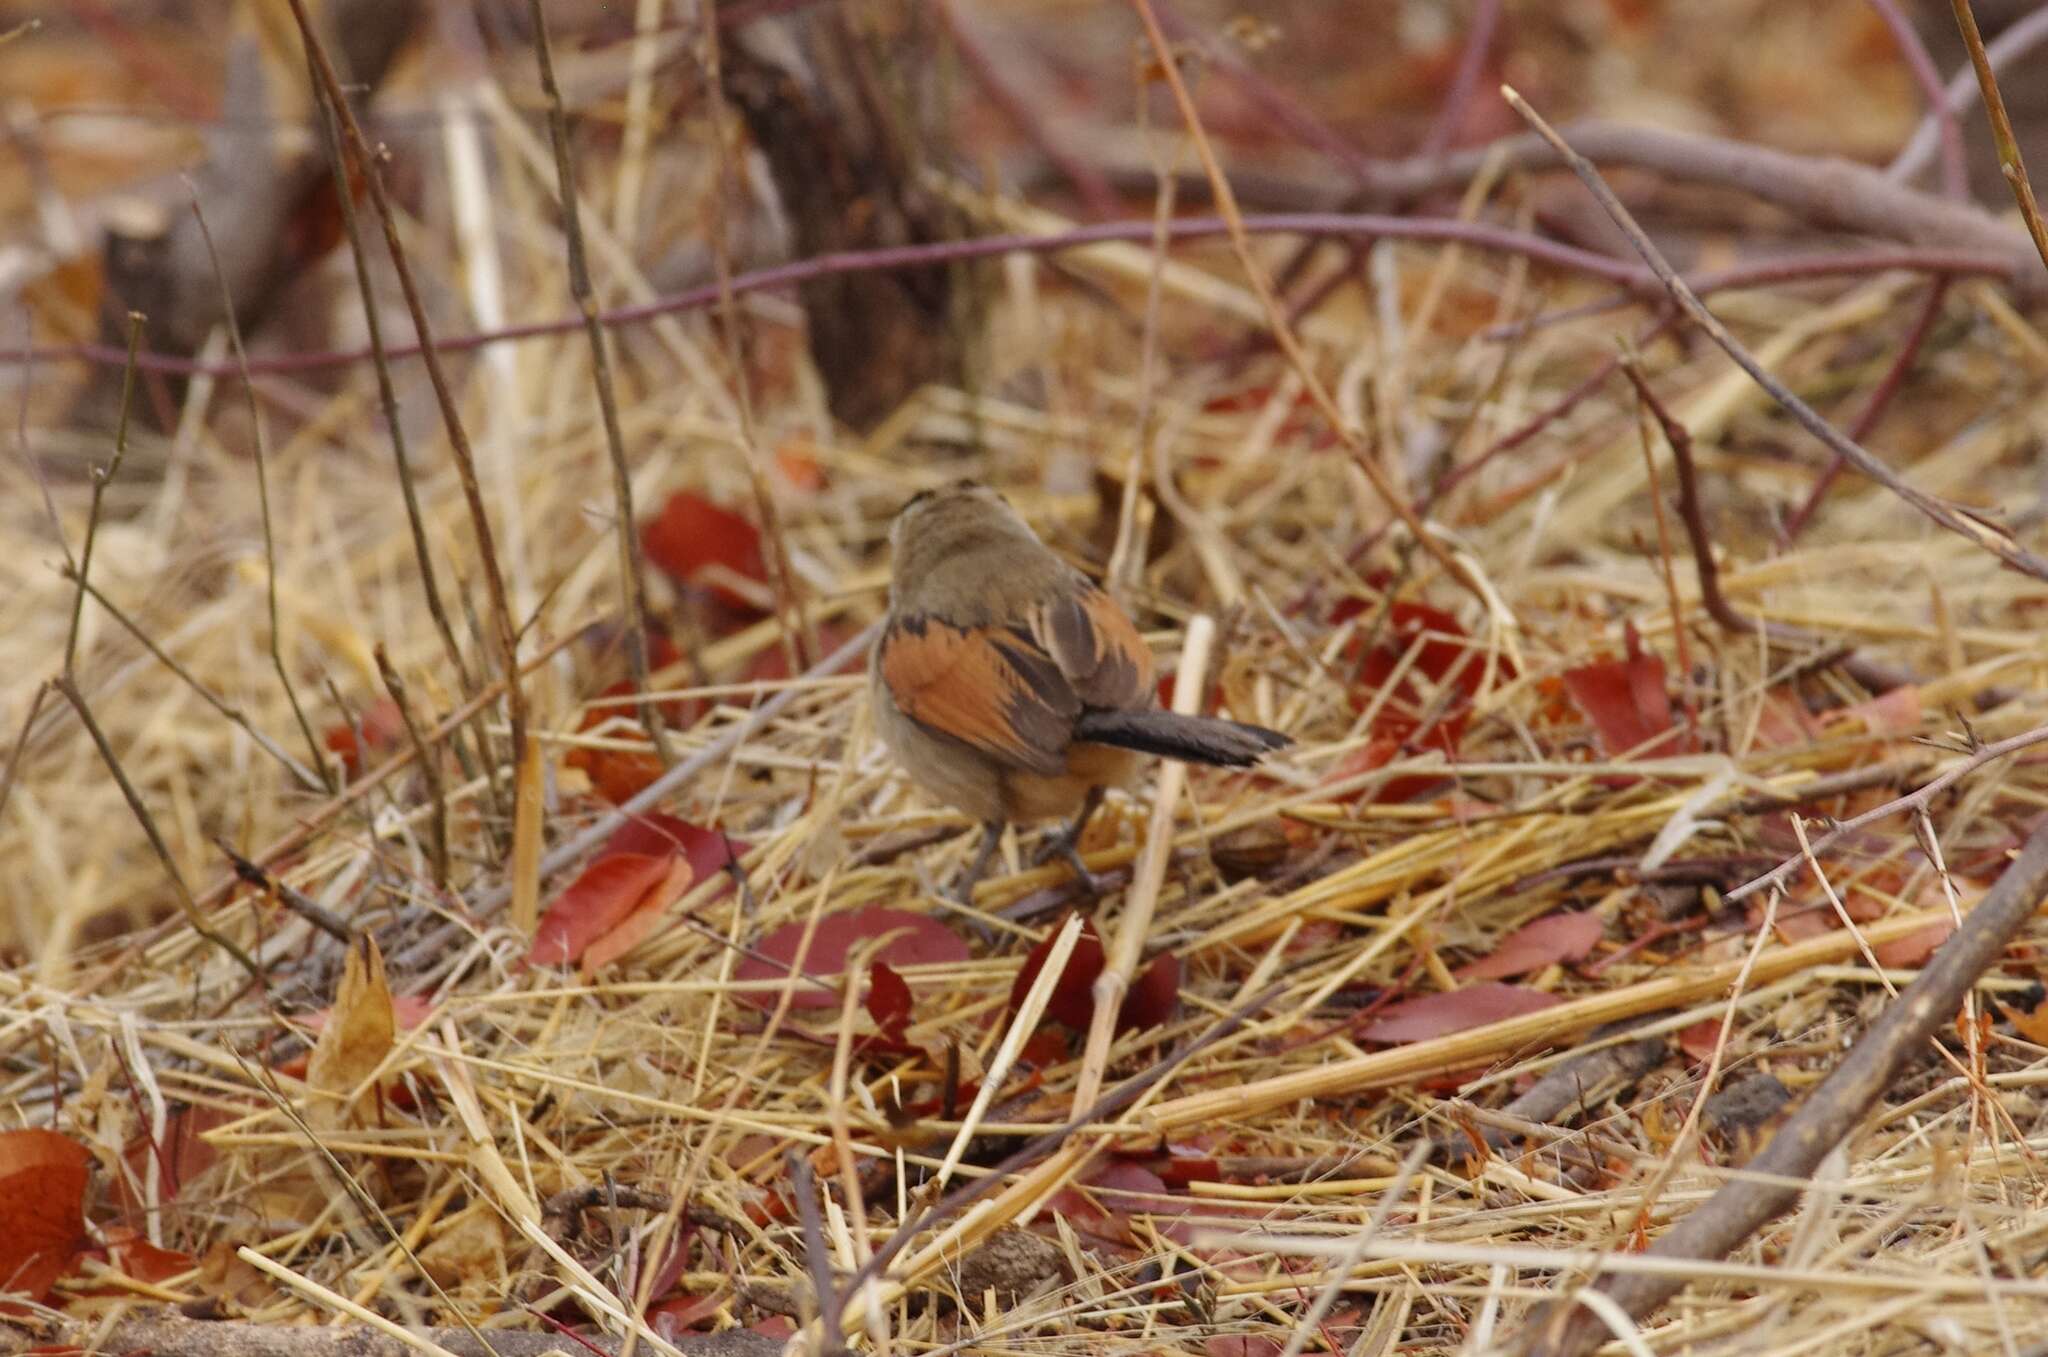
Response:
column 632, row 566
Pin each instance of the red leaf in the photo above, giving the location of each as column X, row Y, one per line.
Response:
column 659, row 834
column 1915, row 947
column 1436, row 1015
column 42, row 1209
column 133, row 1254
column 617, row 775
column 1552, row 938
column 1627, row 703
column 691, row 533
column 1154, row 996
column 381, row 727
column 918, row 939
column 1698, row 1040
column 678, row 1314
column 609, row 892
column 1380, row 751
column 1073, row 995
column 888, row 1000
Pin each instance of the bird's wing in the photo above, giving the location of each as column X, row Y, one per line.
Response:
column 992, row 688
column 1096, row 648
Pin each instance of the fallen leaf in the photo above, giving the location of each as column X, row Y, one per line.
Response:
column 43, row 1177
column 691, row 534
column 1436, row 1015
column 1550, row 939
column 1915, row 947
column 1072, row 1002
column 608, row 893
column 131, row 1253
column 889, row 1001
column 918, row 940
column 1627, row 702
column 359, row 1034
column 1154, row 996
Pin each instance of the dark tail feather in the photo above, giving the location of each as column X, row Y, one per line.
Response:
column 1191, row 739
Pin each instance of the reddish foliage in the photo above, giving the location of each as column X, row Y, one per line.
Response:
column 381, row 728
column 42, row 1210
column 1553, row 938
column 1436, row 1015
column 130, row 1252
column 182, row 1154
column 1073, row 996
column 1698, row 1040
column 657, row 833
column 606, row 897
column 1915, row 947
column 1444, row 656
column 1152, row 999
column 1627, row 702
column 691, row 533
column 918, row 939
column 678, row 1314
column 888, row 1001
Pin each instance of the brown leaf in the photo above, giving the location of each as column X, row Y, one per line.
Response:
column 360, row 1032
column 42, row 1209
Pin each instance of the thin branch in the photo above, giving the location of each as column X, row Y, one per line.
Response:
column 1770, row 1183
column 2020, row 38
column 1955, row 174
column 1337, row 225
column 2009, row 162
column 186, row 903
column 35, row 705
column 262, row 460
column 101, row 477
column 387, row 391
column 305, row 776
column 1276, row 318
column 1940, row 511
column 1873, row 409
column 1913, row 801
column 328, row 85
column 297, row 901
column 437, row 793
column 632, row 568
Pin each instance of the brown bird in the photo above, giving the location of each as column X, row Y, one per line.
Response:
column 1011, row 686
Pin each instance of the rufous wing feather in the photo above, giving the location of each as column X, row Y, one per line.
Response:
column 990, row 688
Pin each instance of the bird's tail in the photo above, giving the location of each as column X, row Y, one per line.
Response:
column 1191, row 739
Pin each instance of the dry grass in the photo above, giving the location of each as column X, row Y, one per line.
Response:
column 524, row 1083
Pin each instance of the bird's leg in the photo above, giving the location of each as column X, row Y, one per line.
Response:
column 1067, row 844
column 991, row 835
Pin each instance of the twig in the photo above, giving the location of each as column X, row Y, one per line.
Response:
column 306, row 778
column 186, row 903
column 430, row 770
column 100, row 478
column 297, row 901
column 632, row 569
column 1873, row 408
column 328, row 86
column 1941, row 512
column 798, row 643
column 1276, row 319
column 1098, row 196
column 387, row 391
column 1913, row 800
column 35, row 705
column 2021, row 37
column 1831, row 1112
column 261, row 459
column 2009, row 162
column 1955, row 174
column 1931, row 258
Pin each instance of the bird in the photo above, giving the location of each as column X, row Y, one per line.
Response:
column 1009, row 685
